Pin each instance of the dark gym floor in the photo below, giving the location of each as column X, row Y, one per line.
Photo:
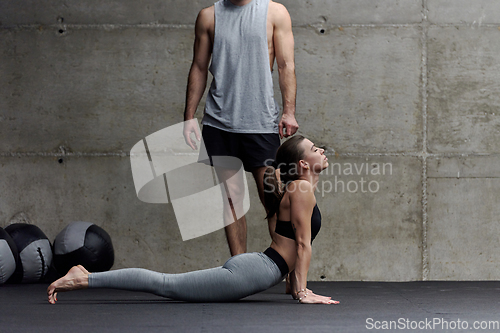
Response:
column 364, row 306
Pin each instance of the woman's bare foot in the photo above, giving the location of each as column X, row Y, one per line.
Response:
column 77, row 278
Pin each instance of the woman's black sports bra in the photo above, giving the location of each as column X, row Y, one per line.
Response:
column 284, row 228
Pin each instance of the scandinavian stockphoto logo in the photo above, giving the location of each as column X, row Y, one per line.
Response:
column 204, row 198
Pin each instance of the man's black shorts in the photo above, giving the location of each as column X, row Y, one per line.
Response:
column 253, row 149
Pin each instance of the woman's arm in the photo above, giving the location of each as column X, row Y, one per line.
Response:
column 302, row 202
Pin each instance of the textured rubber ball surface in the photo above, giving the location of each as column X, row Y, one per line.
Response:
column 9, row 256
column 83, row 243
column 35, row 252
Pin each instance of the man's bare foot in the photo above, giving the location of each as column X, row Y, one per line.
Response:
column 288, row 285
column 77, row 278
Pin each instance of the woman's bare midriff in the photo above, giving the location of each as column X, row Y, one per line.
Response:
column 287, row 249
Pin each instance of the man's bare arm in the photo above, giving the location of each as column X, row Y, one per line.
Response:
column 198, row 73
column 197, row 80
column 284, row 52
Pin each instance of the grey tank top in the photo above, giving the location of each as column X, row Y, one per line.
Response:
column 240, row 98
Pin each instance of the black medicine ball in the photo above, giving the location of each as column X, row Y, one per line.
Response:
column 9, row 257
column 83, row 243
column 35, row 252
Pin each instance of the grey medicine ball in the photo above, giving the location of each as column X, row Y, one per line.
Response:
column 35, row 252
column 9, row 257
column 83, row 243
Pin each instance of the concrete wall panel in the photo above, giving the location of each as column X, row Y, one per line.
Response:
column 464, row 167
column 90, row 90
column 371, row 226
column 185, row 12
column 339, row 12
column 362, row 81
column 464, row 93
column 463, row 215
column 474, row 12
column 101, row 12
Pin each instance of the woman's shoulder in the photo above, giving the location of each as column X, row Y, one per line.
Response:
column 301, row 190
column 295, row 185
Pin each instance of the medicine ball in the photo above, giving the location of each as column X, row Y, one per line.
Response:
column 83, row 243
column 35, row 252
column 9, row 257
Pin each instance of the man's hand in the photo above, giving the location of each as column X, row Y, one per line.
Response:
column 191, row 126
column 290, row 125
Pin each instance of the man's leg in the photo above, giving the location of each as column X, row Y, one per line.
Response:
column 258, row 175
column 236, row 234
column 236, row 229
column 221, row 143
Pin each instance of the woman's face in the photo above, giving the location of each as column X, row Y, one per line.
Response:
column 314, row 156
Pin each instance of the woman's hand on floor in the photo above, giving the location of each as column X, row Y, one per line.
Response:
column 312, row 298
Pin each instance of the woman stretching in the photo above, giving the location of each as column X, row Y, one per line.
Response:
column 292, row 198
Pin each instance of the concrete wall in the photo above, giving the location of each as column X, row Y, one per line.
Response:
column 404, row 93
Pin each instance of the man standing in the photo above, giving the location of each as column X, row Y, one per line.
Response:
column 241, row 118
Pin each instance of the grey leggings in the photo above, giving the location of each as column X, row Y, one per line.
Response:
column 242, row 275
